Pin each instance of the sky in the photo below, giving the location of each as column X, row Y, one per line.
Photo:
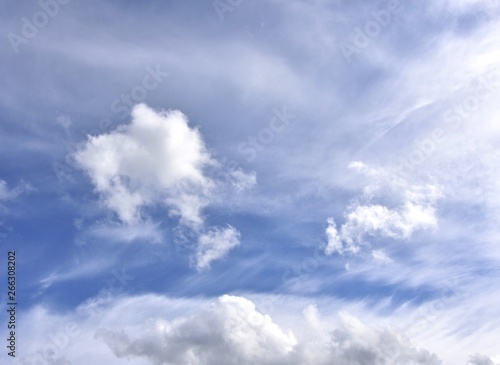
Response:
column 275, row 182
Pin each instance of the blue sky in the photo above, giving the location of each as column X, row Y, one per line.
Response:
column 278, row 182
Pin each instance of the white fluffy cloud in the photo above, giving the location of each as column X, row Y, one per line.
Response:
column 159, row 159
column 234, row 332
column 156, row 158
column 413, row 208
column 215, row 244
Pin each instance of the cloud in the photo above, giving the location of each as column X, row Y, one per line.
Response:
column 156, row 158
column 234, row 332
column 413, row 208
column 65, row 122
column 11, row 194
column 159, row 159
column 4, row 192
column 333, row 237
column 381, row 257
column 241, row 180
column 156, row 329
column 142, row 231
column 478, row 359
column 385, row 83
column 215, row 244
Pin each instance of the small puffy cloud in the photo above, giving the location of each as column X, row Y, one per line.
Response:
column 413, row 208
column 215, row 244
column 381, row 257
column 157, row 157
column 234, row 332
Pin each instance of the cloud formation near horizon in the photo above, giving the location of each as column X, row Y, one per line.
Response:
column 232, row 331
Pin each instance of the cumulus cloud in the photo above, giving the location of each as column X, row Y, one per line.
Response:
column 159, row 159
column 234, row 332
column 215, row 244
column 413, row 208
column 478, row 359
column 231, row 332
